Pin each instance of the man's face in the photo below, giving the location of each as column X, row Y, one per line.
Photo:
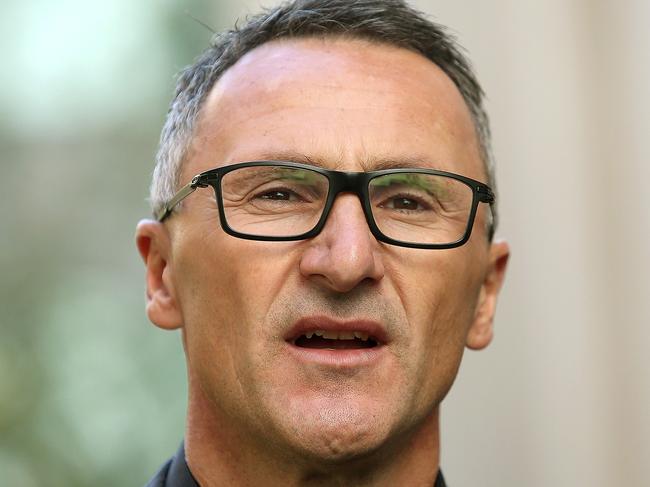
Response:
column 351, row 106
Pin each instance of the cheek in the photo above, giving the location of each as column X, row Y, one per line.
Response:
column 209, row 294
column 225, row 295
column 439, row 297
column 215, row 283
column 440, row 290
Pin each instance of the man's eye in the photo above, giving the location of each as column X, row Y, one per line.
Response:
column 404, row 203
column 278, row 195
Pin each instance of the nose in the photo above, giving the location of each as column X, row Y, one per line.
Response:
column 345, row 253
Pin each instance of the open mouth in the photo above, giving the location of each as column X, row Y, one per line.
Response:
column 333, row 340
column 341, row 344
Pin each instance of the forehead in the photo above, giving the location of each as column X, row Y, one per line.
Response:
column 344, row 103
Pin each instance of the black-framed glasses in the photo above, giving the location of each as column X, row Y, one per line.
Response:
column 283, row 201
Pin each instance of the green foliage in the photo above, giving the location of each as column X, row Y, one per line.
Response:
column 90, row 392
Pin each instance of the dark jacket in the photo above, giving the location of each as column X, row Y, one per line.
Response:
column 176, row 473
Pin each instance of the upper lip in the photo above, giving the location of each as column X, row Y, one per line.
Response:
column 305, row 325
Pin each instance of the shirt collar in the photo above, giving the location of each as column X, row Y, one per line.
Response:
column 180, row 476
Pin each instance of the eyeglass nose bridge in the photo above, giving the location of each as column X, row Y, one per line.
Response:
column 349, row 182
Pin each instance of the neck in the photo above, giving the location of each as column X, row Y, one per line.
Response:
column 219, row 453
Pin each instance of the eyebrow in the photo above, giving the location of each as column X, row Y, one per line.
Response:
column 405, row 162
column 370, row 164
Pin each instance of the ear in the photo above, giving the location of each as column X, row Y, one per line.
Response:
column 152, row 239
column 481, row 332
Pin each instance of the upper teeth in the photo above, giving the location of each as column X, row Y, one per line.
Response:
column 338, row 335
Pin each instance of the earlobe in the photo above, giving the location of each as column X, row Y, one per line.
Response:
column 152, row 240
column 481, row 332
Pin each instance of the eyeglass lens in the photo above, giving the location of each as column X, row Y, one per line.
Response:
column 413, row 207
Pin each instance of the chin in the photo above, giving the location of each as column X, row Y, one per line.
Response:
column 336, row 435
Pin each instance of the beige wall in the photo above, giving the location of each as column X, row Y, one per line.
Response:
column 562, row 397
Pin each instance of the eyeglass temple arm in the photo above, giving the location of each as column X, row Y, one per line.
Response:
column 183, row 193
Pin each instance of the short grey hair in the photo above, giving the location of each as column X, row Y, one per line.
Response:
column 391, row 22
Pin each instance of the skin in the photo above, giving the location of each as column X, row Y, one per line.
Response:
column 257, row 415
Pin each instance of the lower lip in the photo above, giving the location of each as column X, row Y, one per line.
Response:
column 340, row 358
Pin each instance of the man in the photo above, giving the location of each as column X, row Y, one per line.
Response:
column 323, row 239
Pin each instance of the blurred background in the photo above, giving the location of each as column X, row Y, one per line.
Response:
column 561, row 398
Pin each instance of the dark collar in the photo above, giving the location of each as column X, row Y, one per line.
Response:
column 176, row 473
